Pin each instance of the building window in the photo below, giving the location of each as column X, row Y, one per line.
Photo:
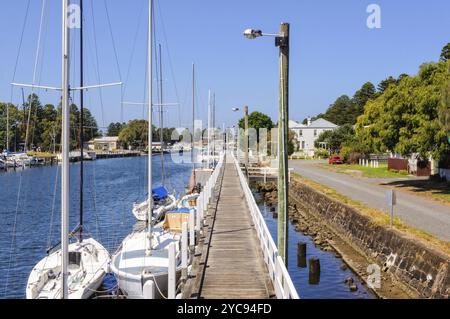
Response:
column 303, row 145
column 315, row 133
column 300, row 132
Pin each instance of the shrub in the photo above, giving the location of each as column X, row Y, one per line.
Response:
column 321, row 153
column 345, row 153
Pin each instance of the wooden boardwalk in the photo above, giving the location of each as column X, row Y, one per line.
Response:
column 232, row 265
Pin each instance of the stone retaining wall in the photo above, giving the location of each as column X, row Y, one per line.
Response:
column 420, row 267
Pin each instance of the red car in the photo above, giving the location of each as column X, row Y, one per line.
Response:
column 334, row 160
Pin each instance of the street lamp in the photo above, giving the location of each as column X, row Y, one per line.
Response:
column 281, row 41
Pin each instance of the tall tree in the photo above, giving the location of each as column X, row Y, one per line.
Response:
column 445, row 54
column 385, row 84
column 366, row 93
column 257, row 120
column 341, row 112
column 135, row 134
column 114, row 129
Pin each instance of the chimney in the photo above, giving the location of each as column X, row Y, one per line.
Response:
column 309, row 121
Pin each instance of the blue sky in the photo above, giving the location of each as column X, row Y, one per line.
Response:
column 332, row 51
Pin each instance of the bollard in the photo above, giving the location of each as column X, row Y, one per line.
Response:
column 301, row 254
column 149, row 290
column 314, row 271
column 172, row 272
column 184, row 251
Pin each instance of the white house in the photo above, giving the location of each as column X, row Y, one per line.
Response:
column 308, row 134
column 107, row 143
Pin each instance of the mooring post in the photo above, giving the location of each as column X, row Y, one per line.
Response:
column 172, row 280
column 149, row 290
column 301, row 254
column 314, row 271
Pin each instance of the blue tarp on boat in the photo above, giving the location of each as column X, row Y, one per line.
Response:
column 110, row 284
column 159, row 193
column 180, row 210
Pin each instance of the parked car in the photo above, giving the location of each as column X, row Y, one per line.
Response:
column 334, row 160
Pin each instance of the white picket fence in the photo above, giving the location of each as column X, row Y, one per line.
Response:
column 284, row 288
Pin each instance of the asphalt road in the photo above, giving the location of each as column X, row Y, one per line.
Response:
column 421, row 213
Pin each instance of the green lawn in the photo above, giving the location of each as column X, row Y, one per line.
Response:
column 41, row 154
column 370, row 172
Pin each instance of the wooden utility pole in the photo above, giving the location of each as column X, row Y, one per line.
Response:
column 246, row 138
column 282, row 42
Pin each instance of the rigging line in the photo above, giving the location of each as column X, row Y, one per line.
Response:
column 27, row 11
column 13, row 237
column 39, row 55
column 38, row 48
column 97, row 66
column 170, row 61
column 112, row 39
column 55, row 190
column 44, row 41
column 116, row 57
column 133, row 49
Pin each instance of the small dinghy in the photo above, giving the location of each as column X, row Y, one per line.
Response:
column 162, row 202
column 88, row 264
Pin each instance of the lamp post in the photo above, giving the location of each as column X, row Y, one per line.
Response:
column 281, row 41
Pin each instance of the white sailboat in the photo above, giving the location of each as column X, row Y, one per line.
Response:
column 143, row 255
column 162, row 202
column 75, row 271
column 88, row 263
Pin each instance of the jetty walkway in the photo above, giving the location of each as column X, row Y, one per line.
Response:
column 236, row 256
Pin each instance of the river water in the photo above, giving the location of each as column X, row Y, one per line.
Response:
column 30, row 219
column 331, row 284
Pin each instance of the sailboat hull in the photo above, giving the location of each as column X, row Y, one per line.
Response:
column 133, row 267
column 89, row 262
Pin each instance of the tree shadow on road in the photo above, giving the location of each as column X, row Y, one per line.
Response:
column 434, row 187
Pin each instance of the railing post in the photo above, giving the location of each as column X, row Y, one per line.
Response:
column 184, row 251
column 172, row 272
column 192, row 230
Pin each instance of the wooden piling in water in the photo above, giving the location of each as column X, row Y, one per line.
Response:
column 301, row 254
column 314, row 271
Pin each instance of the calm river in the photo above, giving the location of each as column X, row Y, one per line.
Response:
column 30, row 219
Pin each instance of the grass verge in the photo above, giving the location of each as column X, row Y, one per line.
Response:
column 377, row 216
column 370, row 172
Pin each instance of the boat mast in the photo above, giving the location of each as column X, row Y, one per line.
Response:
column 65, row 151
column 193, row 123
column 81, row 120
column 7, row 128
column 150, row 120
column 161, row 130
